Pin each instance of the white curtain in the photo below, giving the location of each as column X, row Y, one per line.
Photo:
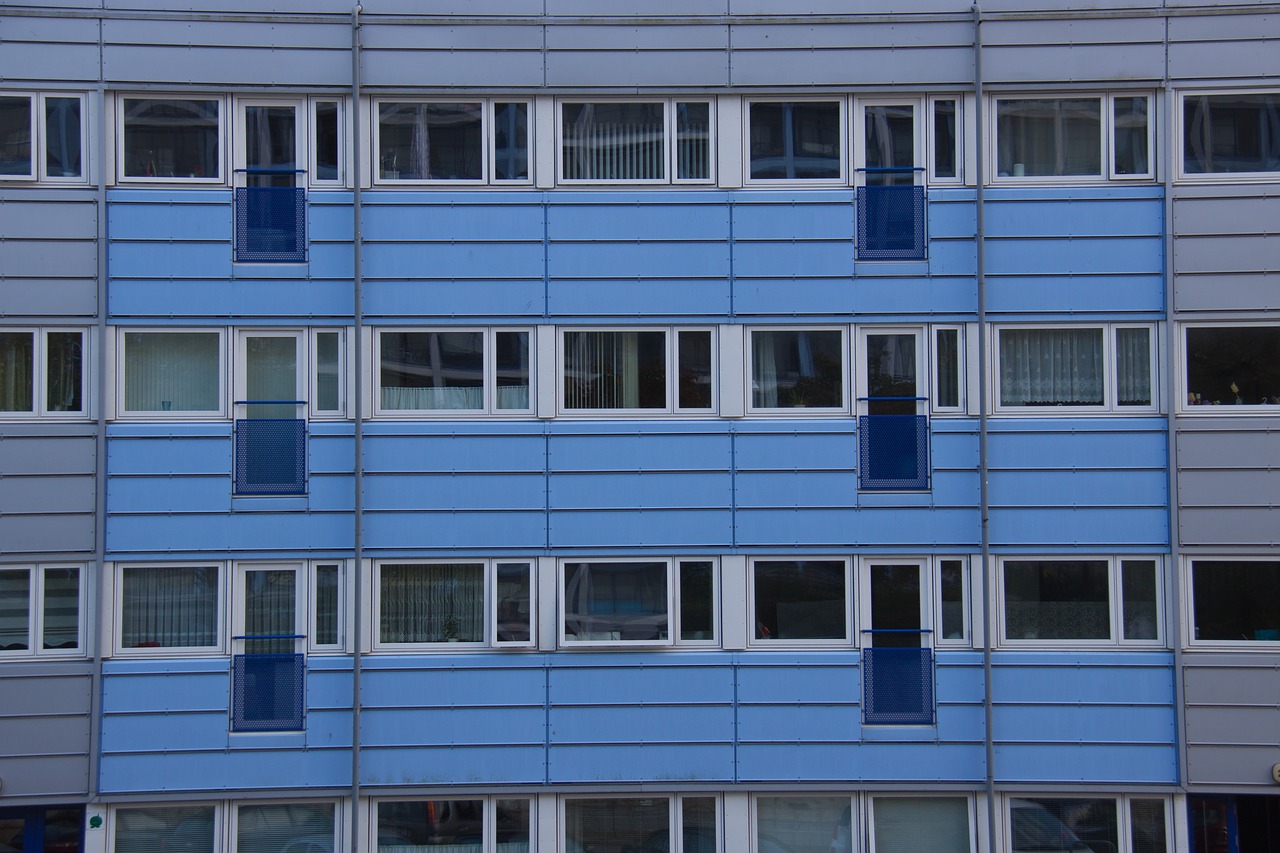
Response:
column 431, row 399
column 171, row 371
column 431, row 603
column 270, row 609
column 1133, row 366
column 1051, row 367
column 169, row 606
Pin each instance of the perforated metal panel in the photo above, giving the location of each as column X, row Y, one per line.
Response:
column 897, row 687
column 891, row 224
column 271, row 456
column 271, row 225
column 267, row 692
column 893, row 452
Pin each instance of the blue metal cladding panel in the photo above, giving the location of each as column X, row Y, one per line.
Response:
column 271, row 456
column 897, row 687
column 891, row 224
column 271, row 225
column 893, row 452
column 267, row 692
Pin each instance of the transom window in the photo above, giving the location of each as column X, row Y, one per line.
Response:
column 1090, row 600
column 636, row 141
column 1088, row 368
column 42, row 137
column 41, row 610
column 468, row 602
column 648, row 602
column 1230, row 133
column 449, row 371
column 478, row 141
column 1232, row 365
column 42, row 372
column 1082, row 136
column 645, row 370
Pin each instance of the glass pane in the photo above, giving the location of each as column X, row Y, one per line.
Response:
column 326, row 604
column 285, row 828
column 804, row 825
column 63, row 830
column 17, row 371
column 951, row 577
column 890, row 140
column 1056, row 600
column 171, row 371
column 944, row 139
column 327, row 143
column 1235, row 600
column 914, row 824
column 891, row 374
column 1051, row 367
column 1146, row 821
column 447, row 826
column 1233, row 365
column 799, row 140
column 1049, row 137
column 426, row 371
column 431, row 603
column 698, row 825
column 615, row 370
column 1064, row 824
column 947, row 354
column 15, row 610
column 61, row 609
column 171, row 138
column 695, row 378
column 511, row 142
column 270, row 144
column 169, row 607
column 693, row 141
column 270, row 611
column 697, row 600
column 800, row 600
column 512, row 363
column 795, row 369
column 617, row 825
column 513, row 826
column 328, row 372
column 1231, row 133
column 895, row 607
column 430, row 142
column 1141, row 610
column 614, row 142
column 615, row 601
column 1132, row 154
column 271, row 377
column 514, row 603
column 62, row 146
column 64, row 366
column 15, row 136
column 1133, row 367
column 164, row 830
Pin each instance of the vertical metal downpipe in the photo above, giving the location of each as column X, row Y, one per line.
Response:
column 984, row 514
column 357, row 275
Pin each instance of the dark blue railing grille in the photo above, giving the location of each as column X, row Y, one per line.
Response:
column 897, row 687
column 271, row 456
column 891, row 223
column 271, row 225
column 267, row 692
column 893, row 452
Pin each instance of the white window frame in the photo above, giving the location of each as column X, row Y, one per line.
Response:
column 240, row 362
column 930, row 597
column 345, row 130
column 935, row 376
column 1110, row 403
column 232, row 821
column 1123, row 813
column 222, row 135
column 217, row 807
column 671, row 343
column 669, row 142
column 570, row 641
column 859, row 138
column 842, row 138
column 1179, row 140
column 39, row 134
column 492, row 603
column 1206, row 407
column 487, row 153
column 675, row 815
column 932, row 178
column 856, row 812
column 218, row 649
column 302, row 120
column 490, row 390
column 850, row 639
column 36, row 583
column 33, row 111
column 1115, row 602
column 40, row 376
column 1189, row 605
column 312, row 379
column 224, row 342
column 302, row 615
column 314, row 646
column 489, row 805
column 847, row 389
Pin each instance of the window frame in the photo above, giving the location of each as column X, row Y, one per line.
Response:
column 38, row 133
column 920, row 149
column 302, row 143
column 670, row 142
column 311, row 381
column 222, row 135
column 219, row 648
column 935, row 372
column 671, row 367
column 489, row 821
column 487, row 143
column 345, row 130
column 931, row 601
column 851, row 604
column 869, row 811
column 1179, row 134
column 856, row 817
column 675, row 815
column 1184, row 407
column 932, row 178
column 37, row 583
column 489, row 388
column 847, row 390
column 843, row 135
column 1124, row 813
column 567, row 641
column 231, row 822
column 311, row 617
column 1115, row 603
column 1189, row 606
column 215, row 807
column 40, row 374
column 225, row 342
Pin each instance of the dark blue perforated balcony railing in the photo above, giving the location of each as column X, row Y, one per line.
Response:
column 271, row 222
column 267, row 690
column 891, row 219
column 893, row 451
column 271, row 453
column 897, row 683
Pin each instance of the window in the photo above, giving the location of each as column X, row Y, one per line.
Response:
column 43, row 828
column 285, row 827
column 609, row 370
column 156, row 829
column 1093, row 600
column 474, row 603
column 328, row 143
column 945, row 133
column 631, row 602
column 798, row 369
column 451, row 371
column 1240, row 823
column 1231, row 366
column 795, row 141
column 1087, row 136
column 948, row 370
column 806, row 601
column 41, row 610
column 169, row 608
column 42, row 372
column 1233, row 601
column 167, row 139
column 1097, row 368
column 42, row 137
column 821, row 824
column 178, row 372
column 504, row 825
column 912, row 824
column 635, row 141
column 452, row 141
column 1235, row 133
column 1130, row 824
column 649, row 823
column 914, row 602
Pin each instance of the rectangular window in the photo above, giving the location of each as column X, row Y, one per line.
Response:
column 912, row 824
column 452, row 141
column 795, row 141
column 948, row 369
column 156, row 829
column 1096, row 600
column 169, row 607
column 42, row 137
column 1093, row 823
column 431, row 603
column 1236, row 133
column 281, row 827
column 171, row 138
column 813, row 824
column 42, row 373
column 40, row 611
column 1232, row 366
column 798, row 369
column 1096, row 136
column 327, row 142
column 328, row 369
column 1233, row 601
column 17, row 136
column 635, row 141
column 42, row 828
column 650, row 823
column 805, row 601
column 455, row 826
column 326, row 607
column 451, row 371
column 623, row 601
column 1098, row 368
column 172, row 372
column 606, row 370
column 945, row 139
column 953, row 602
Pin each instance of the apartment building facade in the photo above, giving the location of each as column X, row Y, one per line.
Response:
column 702, row 427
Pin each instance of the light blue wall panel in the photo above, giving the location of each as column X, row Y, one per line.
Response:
column 650, row 299
column 498, row 491
column 452, row 765
column 651, row 490
column 641, row 763
column 279, row 300
column 435, row 302
column 480, row 532
column 450, row 261
column 648, row 528
column 446, row 447
column 408, row 216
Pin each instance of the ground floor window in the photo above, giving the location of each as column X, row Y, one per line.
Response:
column 42, row 828
column 1233, row 823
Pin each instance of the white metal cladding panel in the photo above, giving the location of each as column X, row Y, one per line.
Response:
column 1227, row 482
column 1232, row 718
column 48, row 257
column 1226, row 249
column 46, row 493
column 48, row 48
column 45, row 719
column 1222, row 47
